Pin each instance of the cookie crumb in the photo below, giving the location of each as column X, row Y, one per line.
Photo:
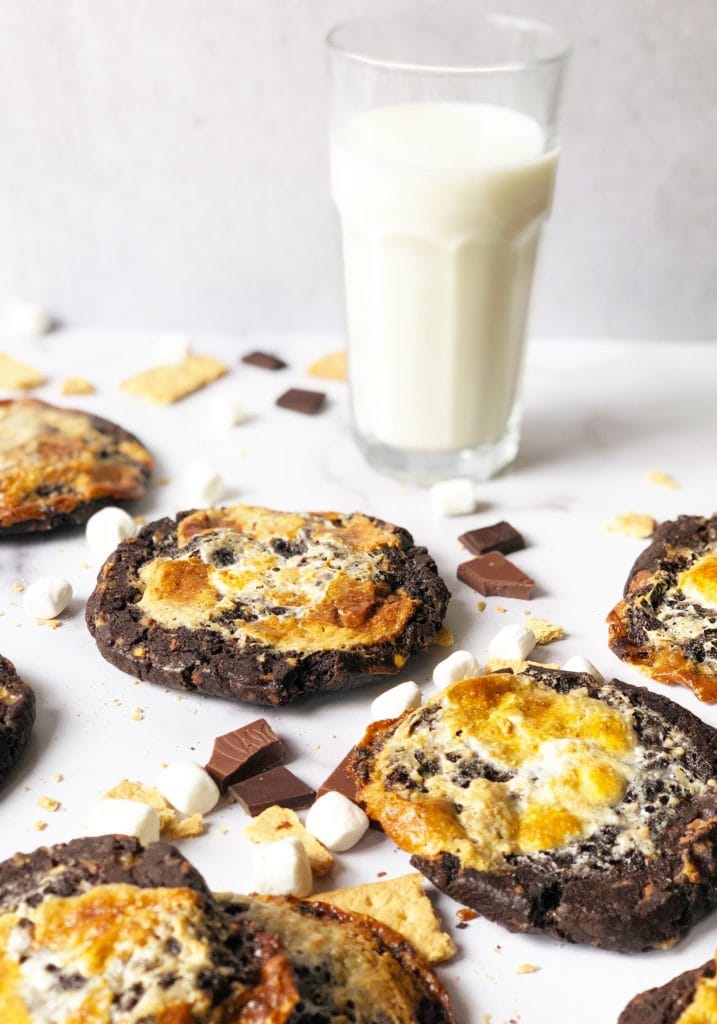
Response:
column 662, row 479
column 526, row 968
column 77, row 386
column 544, row 631
column 444, row 637
column 632, row 524
column 48, row 803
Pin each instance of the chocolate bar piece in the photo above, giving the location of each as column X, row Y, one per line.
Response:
column 247, row 751
column 277, row 786
column 499, row 537
column 342, row 781
column 494, row 576
column 264, row 359
column 301, row 400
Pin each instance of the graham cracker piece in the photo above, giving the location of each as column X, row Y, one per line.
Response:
column 171, row 824
column 77, row 386
column 279, row 823
column 401, row 904
column 17, row 376
column 544, row 631
column 332, row 366
column 167, row 384
column 498, row 664
column 662, row 479
column 632, row 524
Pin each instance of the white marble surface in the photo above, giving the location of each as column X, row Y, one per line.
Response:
column 599, row 416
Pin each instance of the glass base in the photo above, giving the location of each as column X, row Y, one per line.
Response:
column 478, row 463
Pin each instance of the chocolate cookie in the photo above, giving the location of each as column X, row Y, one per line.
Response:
column 551, row 803
column 101, row 929
column 690, row 998
column 347, row 967
column 58, row 466
column 264, row 606
column 666, row 623
column 17, row 716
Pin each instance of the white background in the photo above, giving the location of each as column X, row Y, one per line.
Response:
column 163, row 163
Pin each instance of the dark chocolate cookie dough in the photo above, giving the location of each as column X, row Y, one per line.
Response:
column 692, row 994
column 58, row 466
column 263, row 606
column 551, row 803
column 666, row 623
column 17, row 716
column 101, row 929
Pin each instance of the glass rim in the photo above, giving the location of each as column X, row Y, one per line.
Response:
column 558, row 54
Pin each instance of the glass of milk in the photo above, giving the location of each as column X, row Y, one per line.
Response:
column 444, row 149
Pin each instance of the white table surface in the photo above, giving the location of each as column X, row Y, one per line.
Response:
column 599, row 415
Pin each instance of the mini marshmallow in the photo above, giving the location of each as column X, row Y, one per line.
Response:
column 336, row 821
column 188, row 787
column 125, row 818
column 173, row 346
column 512, row 643
column 227, row 411
column 281, row 869
column 107, row 528
column 579, row 664
column 47, row 597
column 453, row 497
column 203, row 483
column 395, row 701
column 27, row 319
column 457, row 666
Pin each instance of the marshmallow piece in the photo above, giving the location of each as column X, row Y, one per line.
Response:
column 457, row 666
column 453, row 497
column 47, row 597
column 227, row 411
column 336, row 821
column 204, row 483
column 281, row 869
column 512, row 643
column 27, row 319
column 107, row 528
column 395, row 701
column 174, row 346
column 126, row 818
column 578, row 664
column 188, row 787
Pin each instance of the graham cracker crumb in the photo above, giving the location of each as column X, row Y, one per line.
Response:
column 481, row 606
column 167, row 384
column 332, row 366
column 662, row 479
column 444, row 637
column 58, row 777
column 402, row 904
column 526, row 968
column 186, row 828
column 171, row 824
column 164, row 480
column 77, row 386
column 544, row 631
column 48, row 803
column 632, row 524
column 50, row 623
column 18, row 587
column 497, row 664
column 85, row 565
column 501, row 609
column 40, row 826
column 137, row 714
column 17, row 376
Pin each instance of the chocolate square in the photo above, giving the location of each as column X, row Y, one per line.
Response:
column 301, row 400
column 252, row 749
column 265, row 360
column 499, row 537
column 494, row 576
column 277, row 786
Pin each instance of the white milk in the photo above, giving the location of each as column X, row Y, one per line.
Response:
column 441, row 207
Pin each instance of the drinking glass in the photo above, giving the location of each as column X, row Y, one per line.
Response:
column 444, row 149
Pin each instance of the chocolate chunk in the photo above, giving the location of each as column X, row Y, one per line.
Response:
column 264, row 359
column 278, row 786
column 342, row 781
column 247, row 751
column 494, row 576
column 300, row 400
column 500, row 537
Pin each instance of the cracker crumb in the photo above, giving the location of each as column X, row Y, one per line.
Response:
column 632, row 524
column 224, row 831
column 280, row 823
column 18, row 587
column 40, row 826
column 171, row 823
column 50, row 623
column 164, row 481
column 17, row 376
column 444, row 637
column 526, row 968
column 165, row 385
column 332, row 366
column 481, row 606
column 137, row 714
column 48, row 803
column 85, row 565
column 116, row 703
column 58, row 777
column 186, row 828
column 77, row 386
column 498, row 664
column 544, row 631
column 501, row 609
column 139, row 520
column 662, row 479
